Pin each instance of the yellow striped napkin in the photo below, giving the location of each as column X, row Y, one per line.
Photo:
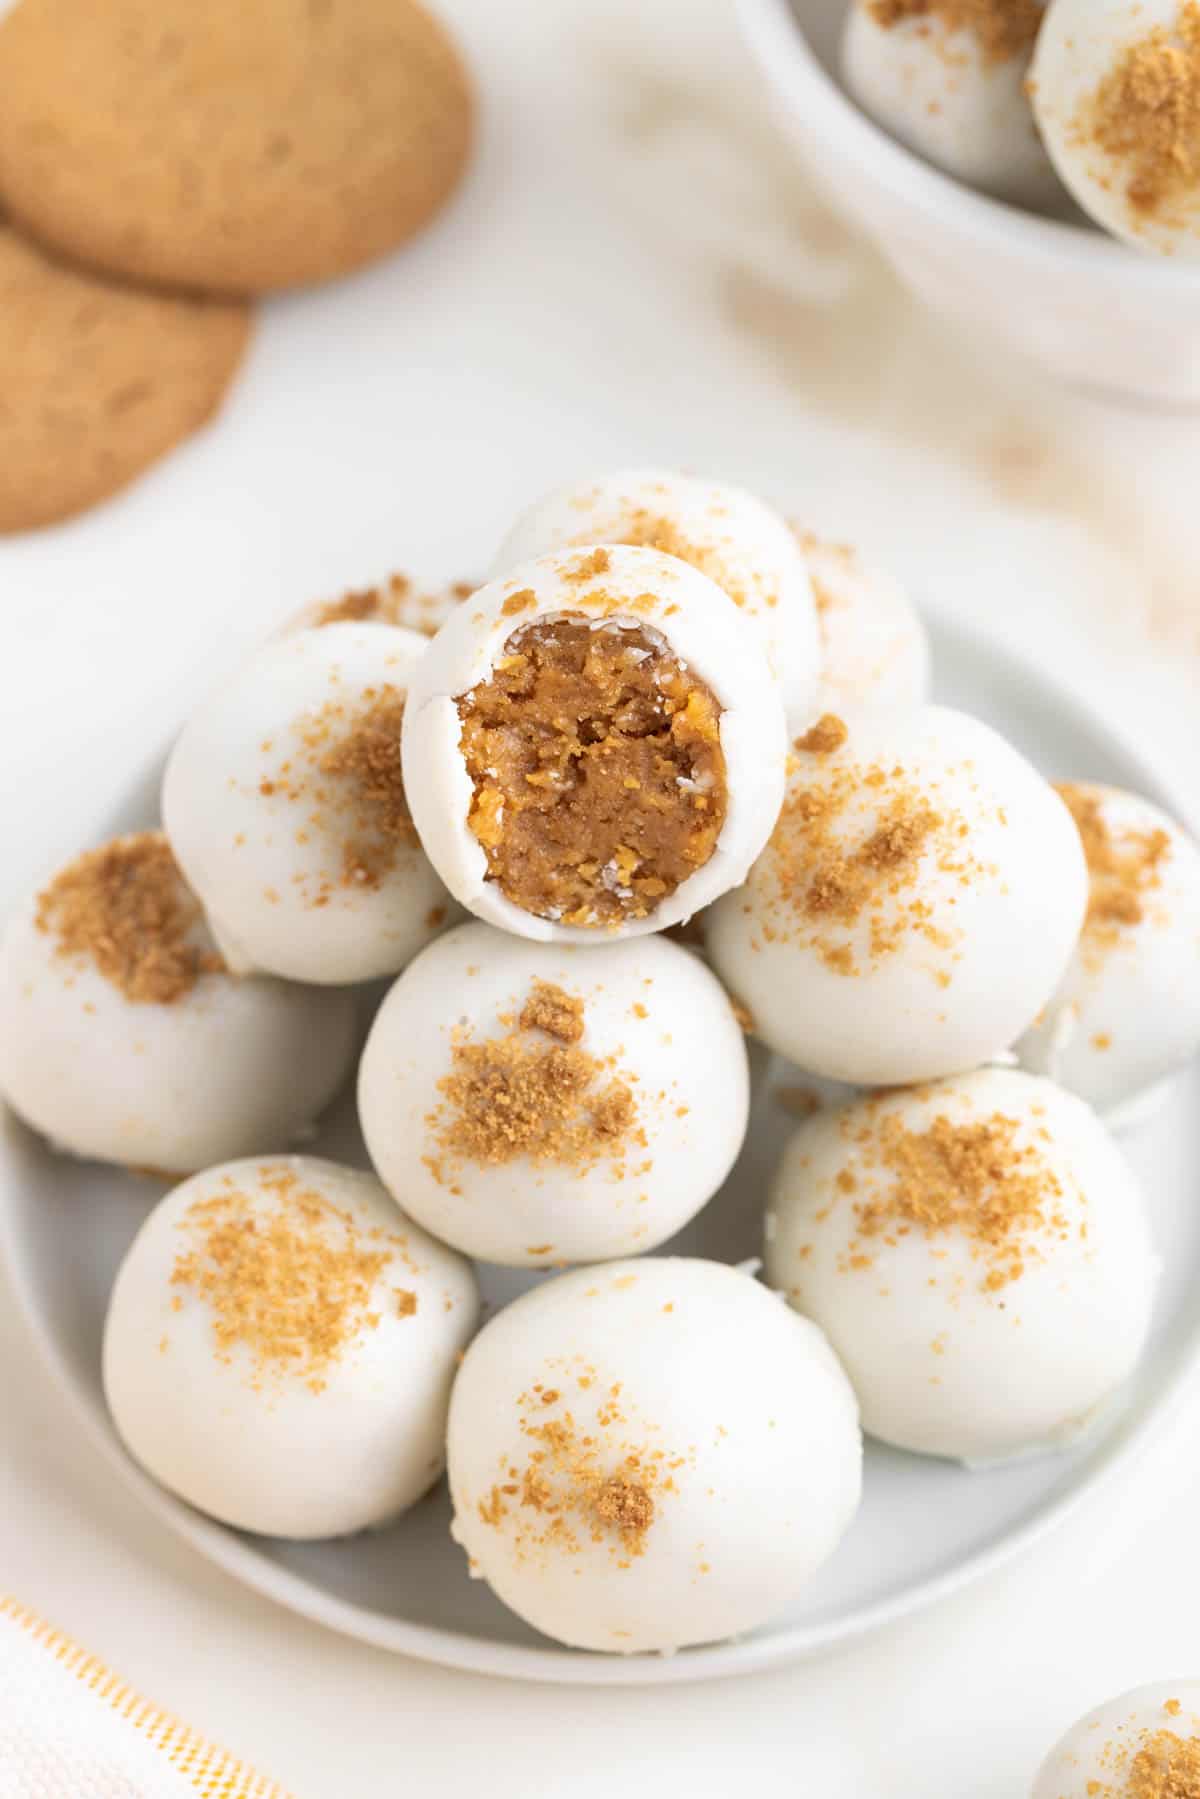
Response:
column 69, row 1727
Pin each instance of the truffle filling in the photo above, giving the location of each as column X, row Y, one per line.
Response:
column 596, row 761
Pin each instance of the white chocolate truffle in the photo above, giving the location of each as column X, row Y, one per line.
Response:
column 280, row 1347
column 1115, row 87
column 915, row 908
column 978, row 1254
column 650, row 1454
column 1127, row 1012
column 1141, row 1745
column 122, row 1036
column 535, row 1103
column 875, row 649
column 731, row 536
column 285, row 806
column 954, row 93
column 594, row 746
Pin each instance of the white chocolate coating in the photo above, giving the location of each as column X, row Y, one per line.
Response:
column 644, row 588
column 937, row 92
column 953, row 952
column 264, row 835
column 876, row 658
column 1127, row 1012
column 949, row 1353
column 232, row 1067
column 1137, row 1737
column 278, row 1448
column 744, row 1429
column 727, row 533
column 653, row 1017
column 1080, row 44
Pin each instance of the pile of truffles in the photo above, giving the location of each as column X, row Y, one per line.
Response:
column 669, row 708
column 1023, row 98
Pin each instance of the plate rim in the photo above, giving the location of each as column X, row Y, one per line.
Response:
column 778, row 1647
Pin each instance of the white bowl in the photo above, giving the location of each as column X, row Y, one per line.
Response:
column 926, row 1526
column 1089, row 309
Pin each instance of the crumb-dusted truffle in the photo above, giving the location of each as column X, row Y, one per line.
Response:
column 123, row 1035
column 1116, row 91
column 1127, row 1011
column 650, row 1454
column 540, row 1103
column 284, row 800
column 593, row 746
column 875, row 655
column 978, row 1254
column 907, row 865
column 280, row 1345
column 1140, row 1745
column 726, row 533
column 947, row 78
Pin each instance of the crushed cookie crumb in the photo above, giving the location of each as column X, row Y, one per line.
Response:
column 287, row 1275
column 125, row 909
column 586, row 568
column 1148, row 1764
column 349, row 772
column 626, row 1504
column 1146, row 115
column 974, row 1179
column 823, row 886
column 603, row 1482
column 367, row 756
column 1002, row 28
column 557, row 1013
column 1124, row 868
column 822, row 739
column 508, row 1097
column 397, row 600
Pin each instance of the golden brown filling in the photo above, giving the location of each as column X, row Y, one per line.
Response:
column 599, row 777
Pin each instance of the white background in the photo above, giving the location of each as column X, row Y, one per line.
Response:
column 634, row 273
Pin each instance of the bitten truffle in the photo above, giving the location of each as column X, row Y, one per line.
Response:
column 593, row 746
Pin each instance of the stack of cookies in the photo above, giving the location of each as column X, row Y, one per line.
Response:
column 162, row 163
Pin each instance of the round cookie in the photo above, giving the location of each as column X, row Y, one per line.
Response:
column 98, row 381
column 224, row 147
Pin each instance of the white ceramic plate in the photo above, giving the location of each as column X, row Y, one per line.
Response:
column 925, row 1526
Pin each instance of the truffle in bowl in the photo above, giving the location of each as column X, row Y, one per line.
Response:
column 1085, row 307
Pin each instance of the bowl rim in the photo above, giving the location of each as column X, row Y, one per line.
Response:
column 775, row 35
column 775, row 1647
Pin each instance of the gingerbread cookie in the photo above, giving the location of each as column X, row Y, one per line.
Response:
column 97, row 381
column 227, row 147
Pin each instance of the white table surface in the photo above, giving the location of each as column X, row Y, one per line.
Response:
column 635, row 273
